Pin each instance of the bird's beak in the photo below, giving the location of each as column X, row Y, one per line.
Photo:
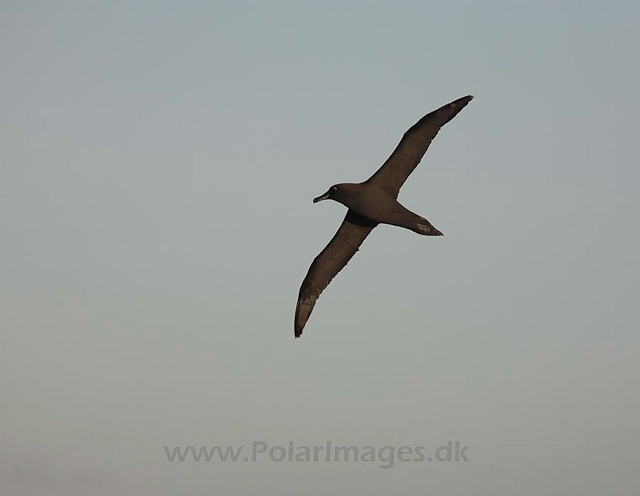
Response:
column 322, row 197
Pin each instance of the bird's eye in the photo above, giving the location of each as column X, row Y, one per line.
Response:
column 334, row 188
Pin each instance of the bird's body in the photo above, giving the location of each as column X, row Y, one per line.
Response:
column 371, row 203
column 379, row 206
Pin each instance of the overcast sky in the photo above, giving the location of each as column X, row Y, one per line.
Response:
column 157, row 169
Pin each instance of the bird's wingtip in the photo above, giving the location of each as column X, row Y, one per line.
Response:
column 459, row 104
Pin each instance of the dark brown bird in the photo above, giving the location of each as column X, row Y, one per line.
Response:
column 371, row 203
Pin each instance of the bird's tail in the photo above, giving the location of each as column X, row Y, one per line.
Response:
column 425, row 228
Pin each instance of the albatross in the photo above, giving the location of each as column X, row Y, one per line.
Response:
column 370, row 203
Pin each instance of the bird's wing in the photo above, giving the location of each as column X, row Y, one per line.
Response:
column 412, row 147
column 344, row 245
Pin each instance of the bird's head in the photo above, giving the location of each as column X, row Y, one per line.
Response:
column 335, row 192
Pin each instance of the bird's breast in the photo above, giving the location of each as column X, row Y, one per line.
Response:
column 375, row 204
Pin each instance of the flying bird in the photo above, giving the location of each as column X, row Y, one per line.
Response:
column 371, row 203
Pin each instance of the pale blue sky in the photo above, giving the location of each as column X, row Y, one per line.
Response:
column 158, row 165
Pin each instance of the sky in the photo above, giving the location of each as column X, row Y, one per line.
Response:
column 158, row 165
